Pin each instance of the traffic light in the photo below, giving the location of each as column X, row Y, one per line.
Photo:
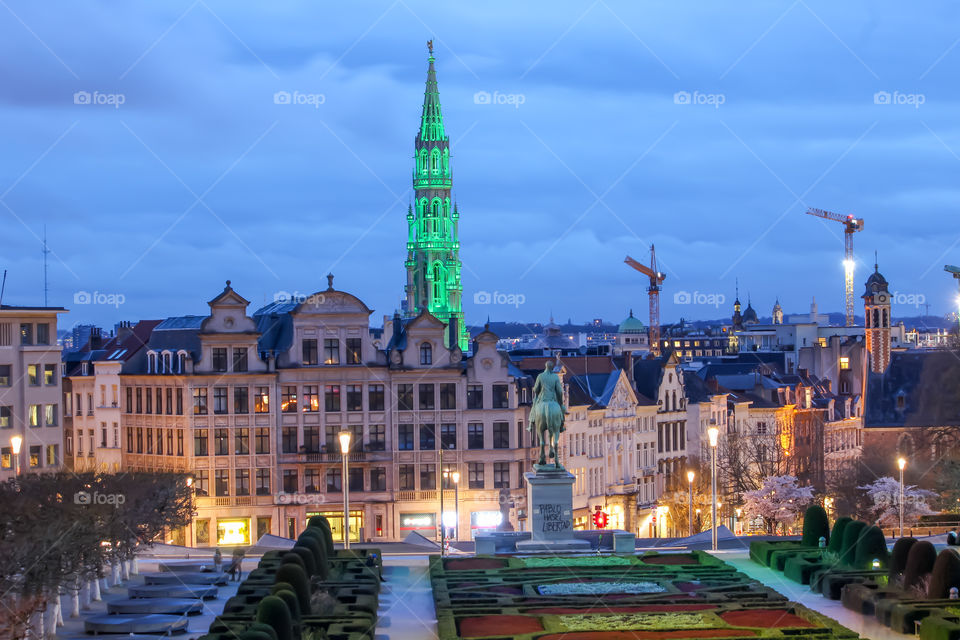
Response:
column 600, row 520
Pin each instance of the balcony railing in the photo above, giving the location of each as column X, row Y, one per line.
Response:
column 332, row 457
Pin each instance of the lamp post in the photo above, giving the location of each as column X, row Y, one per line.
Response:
column 16, row 442
column 190, row 524
column 456, row 503
column 901, row 463
column 713, row 433
column 345, row 482
column 690, row 505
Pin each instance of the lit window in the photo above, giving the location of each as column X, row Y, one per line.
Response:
column 844, row 363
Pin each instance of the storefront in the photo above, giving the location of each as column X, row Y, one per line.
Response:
column 423, row 523
column 233, row 531
column 335, row 518
column 484, row 522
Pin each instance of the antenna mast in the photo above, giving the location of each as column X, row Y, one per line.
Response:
column 46, row 252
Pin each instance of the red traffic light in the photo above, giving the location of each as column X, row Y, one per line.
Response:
column 600, row 520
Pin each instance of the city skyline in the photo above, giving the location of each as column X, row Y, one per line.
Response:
column 155, row 186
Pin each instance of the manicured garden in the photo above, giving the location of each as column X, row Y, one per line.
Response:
column 906, row 586
column 649, row 596
column 311, row 592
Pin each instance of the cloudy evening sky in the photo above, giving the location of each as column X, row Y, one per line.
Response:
column 583, row 154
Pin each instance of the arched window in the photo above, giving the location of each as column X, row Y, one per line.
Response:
column 180, row 358
column 167, row 362
column 674, row 400
column 151, row 362
column 422, row 161
column 437, row 283
column 876, row 318
column 435, row 161
column 886, row 318
column 426, row 353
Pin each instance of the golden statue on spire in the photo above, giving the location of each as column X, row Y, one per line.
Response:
column 430, row 46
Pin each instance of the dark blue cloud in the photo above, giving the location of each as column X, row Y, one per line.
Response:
column 290, row 191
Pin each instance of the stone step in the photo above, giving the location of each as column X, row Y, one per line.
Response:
column 149, row 623
column 192, row 577
column 155, row 605
column 204, row 591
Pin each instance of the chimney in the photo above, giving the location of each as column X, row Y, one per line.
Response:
column 123, row 329
column 628, row 365
column 96, row 339
column 713, row 385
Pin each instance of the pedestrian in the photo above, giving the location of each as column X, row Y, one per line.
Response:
column 217, row 560
column 235, row 568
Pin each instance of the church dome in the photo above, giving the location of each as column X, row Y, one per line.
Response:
column 876, row 282
column 631, row 325
column 750, row 315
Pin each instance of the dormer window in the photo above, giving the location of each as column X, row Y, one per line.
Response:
column 180, row 357
column 901, row 401
column 426, row 353
column 167, row 362
column 151, row 362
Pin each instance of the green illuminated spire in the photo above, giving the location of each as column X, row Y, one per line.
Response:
column 433, row 245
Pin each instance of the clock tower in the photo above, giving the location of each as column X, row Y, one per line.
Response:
column 876, row 304
column 433, row 243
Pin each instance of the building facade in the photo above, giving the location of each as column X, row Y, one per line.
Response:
column 30, row 390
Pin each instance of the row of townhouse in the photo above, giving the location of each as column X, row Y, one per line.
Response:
column 251, row 406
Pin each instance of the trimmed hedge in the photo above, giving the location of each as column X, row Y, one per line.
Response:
column 872, row 545
column 815, row 526
column 899, row 555
column 920, row 562
column 836, row 536
column 273, row 611
column 297, row 577
column 945, row 574
column 851, row 535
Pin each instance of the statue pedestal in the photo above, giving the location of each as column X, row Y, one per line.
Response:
column 550, row 512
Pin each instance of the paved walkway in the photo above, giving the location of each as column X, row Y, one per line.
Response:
column 868, row 627
column 406, row 600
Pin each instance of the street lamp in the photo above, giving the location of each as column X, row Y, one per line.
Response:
column 345, row 483
column 190, row 524
column 16, row 442
column 456, row 502
column 690, row 508
column 713, row 433
column 901, row 463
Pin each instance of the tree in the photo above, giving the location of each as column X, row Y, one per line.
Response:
column 884, row 493
column 778, row 501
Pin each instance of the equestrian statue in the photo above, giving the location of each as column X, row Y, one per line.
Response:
column 547, row 415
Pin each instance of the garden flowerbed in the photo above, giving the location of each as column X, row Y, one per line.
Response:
column 644, row 597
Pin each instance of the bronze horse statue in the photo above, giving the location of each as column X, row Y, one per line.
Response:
column 547, row 415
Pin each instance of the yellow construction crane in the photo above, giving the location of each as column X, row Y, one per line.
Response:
column 656, row 279
column 850, row 226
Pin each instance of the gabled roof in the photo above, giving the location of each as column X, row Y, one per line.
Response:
column 647, row 374
column 918, row 389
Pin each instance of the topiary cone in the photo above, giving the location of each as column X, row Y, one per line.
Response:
column 321, row 524
column 290, row 598
column 945, row 574
column 898, row 557
column 315, row 544
column 265, row 628
column 815, row 526
column 273, row 611
column 836, row 536
column 851, row 534
column 872, row 545
column 920, row 561
column 297, row 577
column 294, row 558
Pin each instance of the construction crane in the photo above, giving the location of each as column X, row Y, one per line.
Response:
column 955, row 272
column 656, row 279
column 850, row 226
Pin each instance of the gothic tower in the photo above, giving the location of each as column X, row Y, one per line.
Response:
column 777, row 313
column 433, row 244
column 876, row 304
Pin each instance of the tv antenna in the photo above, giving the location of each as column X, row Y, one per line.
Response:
column 46, row 252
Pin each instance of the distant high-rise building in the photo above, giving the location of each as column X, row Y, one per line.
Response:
column 433, row 244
